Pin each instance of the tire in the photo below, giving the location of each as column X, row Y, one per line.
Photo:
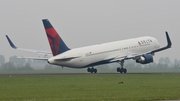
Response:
column 118, row 69
column 92, row 70
column 95, row 70
column 121, row 70
column 88, row 70
column 125, row 71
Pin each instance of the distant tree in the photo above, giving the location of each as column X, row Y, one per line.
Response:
column 167, row 61
column 161, row 60
column 2, row 59
column 26, row 67
column 13, row 59
column 162, row 66
column 17, row 61
column 151, row 66
column 48, row 67
column 29, row 61
column 176, row 64
column 9, row 66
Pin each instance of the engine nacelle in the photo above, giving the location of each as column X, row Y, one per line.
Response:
column 145, row 59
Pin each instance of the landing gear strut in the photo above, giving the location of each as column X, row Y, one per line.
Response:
column 122, row 69
column 92, row 70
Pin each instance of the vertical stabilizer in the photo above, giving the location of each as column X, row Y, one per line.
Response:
column 55, row 41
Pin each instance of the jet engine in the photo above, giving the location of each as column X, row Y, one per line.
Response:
column 145, row 59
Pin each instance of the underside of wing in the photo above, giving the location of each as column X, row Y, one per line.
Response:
column 127, row 56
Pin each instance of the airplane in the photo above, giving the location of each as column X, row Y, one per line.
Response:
column 141, row 49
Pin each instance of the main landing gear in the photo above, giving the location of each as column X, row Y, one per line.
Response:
column 122, row 69
column 92, row 70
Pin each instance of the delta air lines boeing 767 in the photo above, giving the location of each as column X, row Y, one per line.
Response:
column 141, row 49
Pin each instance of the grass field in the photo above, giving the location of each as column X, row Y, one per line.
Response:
column 91, row 88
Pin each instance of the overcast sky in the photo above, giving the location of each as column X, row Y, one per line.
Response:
column 87, row 22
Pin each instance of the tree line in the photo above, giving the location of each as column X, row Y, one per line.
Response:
column 16, row 64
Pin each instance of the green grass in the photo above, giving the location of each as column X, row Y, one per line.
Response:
column 90, row 88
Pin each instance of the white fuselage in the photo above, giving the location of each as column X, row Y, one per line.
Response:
column 103, row 53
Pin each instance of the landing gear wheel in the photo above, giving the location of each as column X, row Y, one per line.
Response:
column 118, row 69
column 92, row 70
column 125, row 70
column 95, row 70
column 89, row 69
column 121, row 70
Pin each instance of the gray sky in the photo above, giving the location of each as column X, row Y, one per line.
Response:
column 87, row 22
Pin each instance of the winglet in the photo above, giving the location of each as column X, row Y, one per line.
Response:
column 169, row 44
column 10, row 42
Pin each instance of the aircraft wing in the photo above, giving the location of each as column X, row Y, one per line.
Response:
column 29, row 50
column 137, row 55
column 127, row 56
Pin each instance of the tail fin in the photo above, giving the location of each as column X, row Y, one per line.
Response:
column 55, row 41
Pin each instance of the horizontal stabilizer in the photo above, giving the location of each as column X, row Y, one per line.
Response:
column 34, row 58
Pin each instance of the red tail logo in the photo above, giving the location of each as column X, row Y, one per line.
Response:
column 56, row 43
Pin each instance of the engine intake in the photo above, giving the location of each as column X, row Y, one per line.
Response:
column 145, row 59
